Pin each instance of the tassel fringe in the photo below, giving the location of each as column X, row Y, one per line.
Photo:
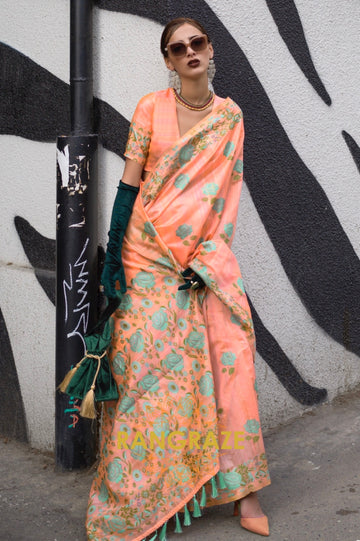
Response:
column 187, row 519
column 153, row 537
column 221, row 480
column 162, row 536
column 197, row 510
column 214, row 490
column 203, row 497
column 178, row 528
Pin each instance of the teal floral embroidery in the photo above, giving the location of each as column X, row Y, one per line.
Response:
column 149, row 383
column 161, row 426
column 182, row 324
column 173, row 361
column 240, row 283
column 116, row 525
column 159, row 345
column 135, row 367
column 150, row 229
column 124, row 325
column 114, row 471
column 186, row 406
column 165, row 261
column 126, row 302
column 184, row 231
column 218, row 204
column 119, row 364
column 182, row 181
column 211, row 188
column 91, row 509
column 147, row 303
column 206, row 384
column 181, row 473
column 173, row 388
column 186, row 153
column 138, row 453
column 182, row 299
column 145, row 279
column 235, row 119
column 103, row 494
column 159, row 320
column 232, row 480
column 137, row 341
column 229, row 228
column 127, row 402
column 137, row 475
column 239, row 166
column 209, row 246
column 204, row 410
column 252, row 426
column 196, row 340
column 234, row 319
column 228, row 358
column 111, row 414
column 138, row 143
column 229, row 148
column 196, row 366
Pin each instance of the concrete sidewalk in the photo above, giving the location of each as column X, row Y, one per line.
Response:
column 315, row 491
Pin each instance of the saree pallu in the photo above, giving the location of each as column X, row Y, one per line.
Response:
column 186, row 427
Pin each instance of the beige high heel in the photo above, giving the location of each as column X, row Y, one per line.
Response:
column 259, row 525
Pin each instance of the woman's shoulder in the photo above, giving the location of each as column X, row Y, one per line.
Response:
column 153, row 97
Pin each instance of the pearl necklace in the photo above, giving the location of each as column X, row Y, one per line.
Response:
column 192, row 106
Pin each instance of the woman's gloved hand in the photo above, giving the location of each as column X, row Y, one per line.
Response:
column 113, row 267
column 192, row 280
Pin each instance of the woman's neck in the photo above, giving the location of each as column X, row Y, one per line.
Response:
column 195, row 92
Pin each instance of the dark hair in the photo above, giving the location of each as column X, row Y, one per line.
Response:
column 173, row 25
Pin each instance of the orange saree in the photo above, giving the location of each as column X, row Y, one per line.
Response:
column 185, row 432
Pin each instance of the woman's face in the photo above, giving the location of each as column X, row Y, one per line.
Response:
column 193, row 64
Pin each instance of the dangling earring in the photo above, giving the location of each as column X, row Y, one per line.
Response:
column 211, row 70
column 174, row 80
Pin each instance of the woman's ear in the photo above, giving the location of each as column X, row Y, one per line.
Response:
column 211, row 51
column 169, row 64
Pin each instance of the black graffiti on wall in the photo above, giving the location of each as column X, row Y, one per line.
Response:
column 313, row 248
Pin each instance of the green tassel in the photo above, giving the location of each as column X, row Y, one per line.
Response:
column 203, row 497
column 153, row 537
column 197, row 510
column 178, row 524
column 162, row 536
column 187, row 519
column 221, row 480
column 214, row 490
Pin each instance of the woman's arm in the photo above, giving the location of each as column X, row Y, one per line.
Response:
column 132, row 173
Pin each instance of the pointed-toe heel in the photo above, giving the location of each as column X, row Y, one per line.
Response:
column 259, row 525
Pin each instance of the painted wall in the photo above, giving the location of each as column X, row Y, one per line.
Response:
column 293, row 68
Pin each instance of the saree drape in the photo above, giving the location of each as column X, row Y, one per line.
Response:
column 186, row 426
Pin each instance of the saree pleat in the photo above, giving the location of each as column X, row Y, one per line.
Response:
column 183, row 360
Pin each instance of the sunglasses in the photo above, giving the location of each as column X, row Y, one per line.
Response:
column 179, row 48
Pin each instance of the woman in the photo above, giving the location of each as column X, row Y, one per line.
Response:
column 185, row 433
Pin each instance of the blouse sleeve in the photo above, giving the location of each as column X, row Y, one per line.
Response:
column 140, row 131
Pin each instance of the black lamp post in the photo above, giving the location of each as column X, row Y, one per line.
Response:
column 76, row 242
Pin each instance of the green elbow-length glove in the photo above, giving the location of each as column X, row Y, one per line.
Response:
column 113, row 267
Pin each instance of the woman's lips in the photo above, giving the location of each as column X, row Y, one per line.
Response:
column 193, row 63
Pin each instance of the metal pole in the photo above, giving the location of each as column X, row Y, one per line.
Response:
column 76, row 242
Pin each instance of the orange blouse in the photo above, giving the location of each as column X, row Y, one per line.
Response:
column 154, row 127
